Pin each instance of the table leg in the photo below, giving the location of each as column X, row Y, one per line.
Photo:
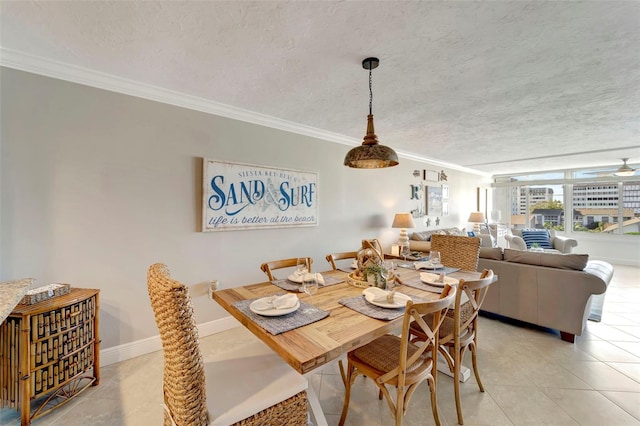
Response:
column 443, row 367
column 316, row 409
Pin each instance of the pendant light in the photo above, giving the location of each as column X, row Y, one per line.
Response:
column 371, row 155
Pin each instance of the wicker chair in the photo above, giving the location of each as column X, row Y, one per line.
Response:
column 460, row 332
column 456, row 251
column 333, row 257
column 395, row 361
column 247, row 386
column 269, row 267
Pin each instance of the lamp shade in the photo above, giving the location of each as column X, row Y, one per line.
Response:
column 403, row 220
column 476, row 217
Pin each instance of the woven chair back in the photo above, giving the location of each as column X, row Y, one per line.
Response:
column 184, row 379
column 457, row 251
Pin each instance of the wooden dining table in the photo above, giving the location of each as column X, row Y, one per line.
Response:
column 314, row 345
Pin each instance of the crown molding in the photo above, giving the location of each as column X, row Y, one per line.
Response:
column 75, row 74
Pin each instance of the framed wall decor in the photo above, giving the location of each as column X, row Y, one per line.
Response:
column 431, row 175
column 445, row 200
column 434, row 201
column 445, row 192
column 239, row 196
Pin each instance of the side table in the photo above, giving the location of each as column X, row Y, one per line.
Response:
column 47, row 351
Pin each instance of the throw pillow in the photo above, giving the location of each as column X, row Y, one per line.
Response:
column 540, row 237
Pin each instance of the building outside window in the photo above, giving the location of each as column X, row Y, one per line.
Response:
column 580, row 201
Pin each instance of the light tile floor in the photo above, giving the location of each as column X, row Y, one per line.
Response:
column 531, row 377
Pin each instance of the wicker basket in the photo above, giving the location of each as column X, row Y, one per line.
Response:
column 44, row 293
column 356, row 281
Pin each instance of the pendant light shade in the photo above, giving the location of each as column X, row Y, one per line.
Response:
column 370, row 155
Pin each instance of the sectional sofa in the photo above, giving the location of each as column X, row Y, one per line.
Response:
column 557, row 291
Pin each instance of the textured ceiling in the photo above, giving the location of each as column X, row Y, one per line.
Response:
column 497, row 87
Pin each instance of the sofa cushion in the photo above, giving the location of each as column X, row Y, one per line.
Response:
column 494, row 253
column 537, row 236
column 552, row 260
column 426, row 235
column 421, row 236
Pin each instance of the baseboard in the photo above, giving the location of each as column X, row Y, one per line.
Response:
column 152, row 344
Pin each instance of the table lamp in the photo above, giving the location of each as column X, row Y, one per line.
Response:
column 403, row 221
column 477, row 218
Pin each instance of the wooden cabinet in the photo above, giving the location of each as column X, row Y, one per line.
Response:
column 49, row 353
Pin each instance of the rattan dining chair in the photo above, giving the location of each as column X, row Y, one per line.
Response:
column 393, row 360
column 250, row 385
column 457, row 251
column 269, row 267
column 460, row 333
column 333, row 257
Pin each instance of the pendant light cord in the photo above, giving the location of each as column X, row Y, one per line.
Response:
column 370, row 92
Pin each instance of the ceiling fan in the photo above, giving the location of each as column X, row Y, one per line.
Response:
column 625, row 169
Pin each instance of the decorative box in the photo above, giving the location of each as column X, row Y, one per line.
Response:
column 45, row 292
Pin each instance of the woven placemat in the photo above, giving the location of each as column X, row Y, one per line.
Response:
column 417, row 283
column 289, row 285
column 446, row 270
column 283, row 323
column 360, row 304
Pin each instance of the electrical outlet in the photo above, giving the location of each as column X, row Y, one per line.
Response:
column 213, row 286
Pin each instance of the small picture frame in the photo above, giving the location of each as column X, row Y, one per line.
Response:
column 434, row 201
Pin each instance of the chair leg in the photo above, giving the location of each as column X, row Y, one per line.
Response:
column 342, row 373
column 399, row 413
column 347, row 393
column 475, row 366
column 434, row 399
column 456, row 382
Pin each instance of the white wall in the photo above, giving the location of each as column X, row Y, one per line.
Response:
column 96, row 186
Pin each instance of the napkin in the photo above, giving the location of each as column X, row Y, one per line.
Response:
column 428, row 265
column 320, row 279
column 285, row 301
column 379, row 295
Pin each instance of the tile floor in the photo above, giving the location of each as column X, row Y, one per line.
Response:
column 531, row 377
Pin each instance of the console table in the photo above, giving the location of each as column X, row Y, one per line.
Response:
column 47, row 350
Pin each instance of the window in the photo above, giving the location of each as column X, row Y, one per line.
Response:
column 584, row 201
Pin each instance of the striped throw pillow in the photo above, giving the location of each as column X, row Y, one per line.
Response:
column 540, row 236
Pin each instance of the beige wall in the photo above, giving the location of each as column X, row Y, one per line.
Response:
column 96, row 186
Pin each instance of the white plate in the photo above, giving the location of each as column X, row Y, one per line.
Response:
column 399, row 299
column 428, row 265
column 295, row 278
column 430, row 279
column 272, row 312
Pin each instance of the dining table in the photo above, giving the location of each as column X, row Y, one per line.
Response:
column 316, row 344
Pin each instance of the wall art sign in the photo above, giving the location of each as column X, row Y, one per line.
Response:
column 245, row 196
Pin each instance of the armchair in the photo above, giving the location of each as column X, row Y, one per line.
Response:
column 559, row 242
